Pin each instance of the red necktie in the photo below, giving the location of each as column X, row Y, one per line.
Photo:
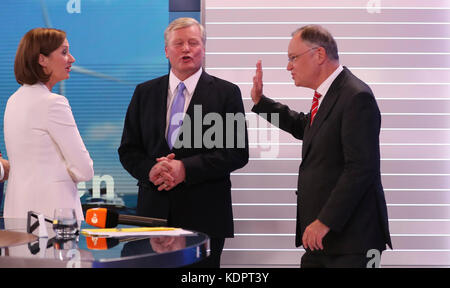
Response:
column 315, row 106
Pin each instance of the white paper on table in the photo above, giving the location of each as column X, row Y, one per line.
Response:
column 126, row 232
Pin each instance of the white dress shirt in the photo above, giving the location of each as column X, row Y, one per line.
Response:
column 325, row 86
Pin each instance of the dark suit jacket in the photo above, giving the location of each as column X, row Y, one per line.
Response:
column 203, row 202
column 339, row 179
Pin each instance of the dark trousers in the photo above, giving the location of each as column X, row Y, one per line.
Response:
column 213, row 260
column 316, row 259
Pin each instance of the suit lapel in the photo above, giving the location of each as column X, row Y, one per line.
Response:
column 324, row 110
column 162, row 93
column 200, row 93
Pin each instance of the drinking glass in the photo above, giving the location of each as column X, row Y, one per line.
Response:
column 65, row 223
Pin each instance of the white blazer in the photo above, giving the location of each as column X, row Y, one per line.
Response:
column 46, row 153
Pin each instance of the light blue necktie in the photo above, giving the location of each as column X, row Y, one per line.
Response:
column 177, row 107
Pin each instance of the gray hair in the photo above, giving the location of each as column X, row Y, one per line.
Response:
column 319, row 36
column 183, row 23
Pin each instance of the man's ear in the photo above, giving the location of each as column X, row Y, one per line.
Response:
column 43, row 60
column 322, row 55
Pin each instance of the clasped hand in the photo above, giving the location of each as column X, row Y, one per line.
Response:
column 167, row 172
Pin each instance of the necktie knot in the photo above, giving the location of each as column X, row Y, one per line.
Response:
column 181, row 88
column 315, row 106
column 317, row 95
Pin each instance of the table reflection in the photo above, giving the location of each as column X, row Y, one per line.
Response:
column 154, row 251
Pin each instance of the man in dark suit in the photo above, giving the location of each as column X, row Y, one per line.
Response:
column 183, row 172
column 341, row 208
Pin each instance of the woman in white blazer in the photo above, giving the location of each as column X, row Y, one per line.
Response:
column 46, row 153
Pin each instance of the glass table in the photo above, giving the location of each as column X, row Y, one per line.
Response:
column 27, row 250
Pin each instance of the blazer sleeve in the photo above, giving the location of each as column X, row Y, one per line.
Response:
column 281, row 116
column 131, row 151
column 63, row 130
column 2, row 172
column 221, row 162
column 360, row 141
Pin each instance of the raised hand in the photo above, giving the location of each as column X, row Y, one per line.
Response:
column 257, row 89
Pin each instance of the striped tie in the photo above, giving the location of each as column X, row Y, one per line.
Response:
column 315, row 106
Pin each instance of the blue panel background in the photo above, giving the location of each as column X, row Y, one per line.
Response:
column 193, row 14
column 118, row 44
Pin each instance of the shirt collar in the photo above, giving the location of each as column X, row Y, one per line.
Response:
column 190, row 83
column 323, row 88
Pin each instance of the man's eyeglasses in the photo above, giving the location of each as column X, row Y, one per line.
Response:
column 293, row 58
